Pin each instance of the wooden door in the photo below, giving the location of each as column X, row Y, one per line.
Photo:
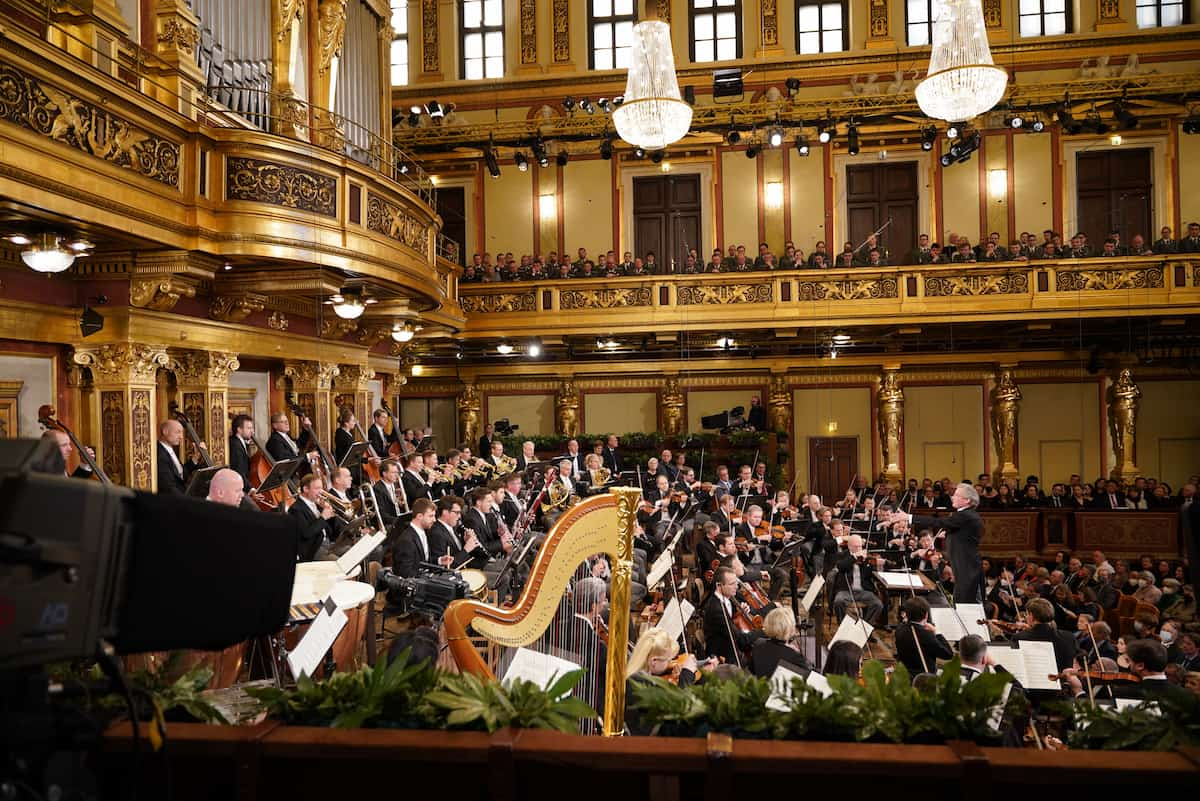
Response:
column 832, row 466
column 452, row 207
column 876, row 193
column 1115, row 191
column 666, row 218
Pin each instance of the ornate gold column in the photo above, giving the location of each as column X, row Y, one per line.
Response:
column 1123, row 406
column 1108, row 16
column 287, row 33
column 769, row 28
column 352, row 388
column 177, row 34
column 891, row 422
column 560, row 34
column 527, row 47
column 202, row 391
column 672, row 407
column 311, row 383
column 993, row 20
column 1005, row 406
column 123, row 375
column 779, row 417
column 566, row 408
column 331, row 36
column 431, row 42
column 468, row 415
column 879, row 28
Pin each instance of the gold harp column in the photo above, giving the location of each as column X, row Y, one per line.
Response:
column 891, row 422
column 618, row 635
column 287, row 33
column 779, row 416
column 672, row 407
column 331, row 36
column 312, row 383
column 123, row 375
column 1005, row 407
column 469, row 410
column 202, row 390
column 566, row 408
column 177, row 34
column 354, row 381
column 1123, row 404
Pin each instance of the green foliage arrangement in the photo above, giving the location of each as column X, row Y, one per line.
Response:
column 176, row 692
column 409, row 695
column 1175, row 724
column 875, row 710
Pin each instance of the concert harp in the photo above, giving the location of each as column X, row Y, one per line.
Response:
column 601, row 524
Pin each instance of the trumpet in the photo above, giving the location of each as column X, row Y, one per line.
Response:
column 449, row 473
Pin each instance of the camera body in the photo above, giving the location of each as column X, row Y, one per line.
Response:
column 427, row 594
column 504, row 428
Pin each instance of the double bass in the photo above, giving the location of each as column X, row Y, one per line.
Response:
column 321, row 462
column 46, row 417
column 395, row 447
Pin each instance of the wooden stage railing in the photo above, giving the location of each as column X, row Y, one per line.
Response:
column 1120, row 535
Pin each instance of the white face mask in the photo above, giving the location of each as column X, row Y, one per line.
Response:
column 1166, row 636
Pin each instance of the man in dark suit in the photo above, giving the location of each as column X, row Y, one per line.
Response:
column 386, row 496
column 443, row 537
column 318, row 524
column 1165, row 243
column 1111, row 499
column 721, row 639
column 610, row 457
column 963, row 532
column 480, row 520
column 412, row 546
column 1039, row 615
column 377, row 434
column 918, row 645
column 239, row 448
column 415, row 485
column 757, row 419
column 526, row 457
column 1191, row 242
column 511, row 508
column 485, row 441
column 856, row 582
column 575, row 456
column 172, row 474
column 281, row 445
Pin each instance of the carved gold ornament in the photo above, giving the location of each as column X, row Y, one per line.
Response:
column 723, row 294
column 996, row 284
column 236, row 308
column 183, row 36
column 849, row 289
column 280, row 185
column 159, row 294
column 384, row 217
column 1108, row 280
column 603, row 298
column 122, row 363
column 503, row 302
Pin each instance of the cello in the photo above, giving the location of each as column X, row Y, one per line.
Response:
column 396, row 446
column 372, row 466
column 262, row 463
column 321, row 462
column 50, row 422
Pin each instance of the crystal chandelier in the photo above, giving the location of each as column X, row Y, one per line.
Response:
column 653, row 115
column 963, row 82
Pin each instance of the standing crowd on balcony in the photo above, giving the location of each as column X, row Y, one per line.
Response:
column 489, row 268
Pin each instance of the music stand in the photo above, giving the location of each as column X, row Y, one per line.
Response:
column 198, row 484
column 426, row 443
column 628, row 478
column 280, row 474
column 354, row 456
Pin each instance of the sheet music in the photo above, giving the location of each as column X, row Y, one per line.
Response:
column 541, row 669
column 781, row 687
column 307, row 655
column 660, row 568
column 1040, row 664
column 1012, row 660
column 819, row 683
column 956, row 623
column 675, row 616
column 997, row 715
column 1128, row 703
column 814, row 590
column 900, row 581
column 347, row 561
column 855, row 631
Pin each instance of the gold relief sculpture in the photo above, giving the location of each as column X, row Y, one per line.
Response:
column 58, row 115
column 560, row 19
column 891, row 422
column 849, row 289
column 330, row 130
column 1006, row 404
column 672, row 407
column 1108, row 280
column 331, row 32
column 143, row 439
column 991, row 13
column 122, row 363
column 203, row 368
column 219, row 420
column 721, row 294
column 236, row 308
column 291, row 115
column 431, row 59
column 1110, row 9
column 355, row 377
column 159, row 294
column 995, row 284
column 527, row 12
column 1123, row 406
column 335, row 327
column 603, row 298
column 770, row 23
column 393, row 222
column 280, row 185
column 566, row 407
column 112, row 432
column 285, row 12
column 373, row 335
column 180, row 35
column 311, row 375
column 663, row 8
column 468, row 414
column 502, row 302
column 779, row 404
column 277, row 321
column 194, row 408
column 879, row 19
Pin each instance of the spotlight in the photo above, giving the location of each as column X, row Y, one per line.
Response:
column 802, row 145
column 534, row 349
column 414, row 119
column 604, row 105
column 1192, row 124
column 639, row 153
column 587, row 106
column 504, row 348
column 732, row 136
column 404, row 168
column 562, row 158
column 841, row 338
column 1067, row 120
column 775, row 137
column 415, row 109
column 1037, row 126
column 946, row 160
column 852, row 140
column 520, row 160
column 569, row 103
column 435, row 110
column 928, row 135
column 618, row 100
column 606, row 148
column 953, row 131
column 752, row 150
column 657, row 156
column 1125, row 117
column 493, row 165
column 824, row 134
column 1016, row 121
column 793, row 86
column 539, row 153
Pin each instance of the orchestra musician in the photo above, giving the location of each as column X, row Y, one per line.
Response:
column 964, row 530
column 486, row 527
column 339, row 485
column 63, row 443
column 856, row 573
column 495, row 453
column 746, row 484
column 240, row 438
column 526, row 457
column 412, row 546
column 415, row 485
column 377, row 434
column 444, row 537
column 721, row 638
column 387, row 500
column 172, row 474
column 706, row 547
column 576, row 457
column 612, row 459
column 281, row 445
column 779, row 644
column 438, row 486
column 319, row 525
column 511, row 505
column 723, row 485
column 752, row 531
column 661, row 511
column 225, row 488
column 761, row 485
column 819, row 542
column 597, row 481
column 918, row 645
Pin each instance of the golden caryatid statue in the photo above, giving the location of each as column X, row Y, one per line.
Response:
column 1122, row 425
column 468, row 413
column 779, row 405
column 567, row 408
column 891, row 423
column 672, row 408
column 1006, row 403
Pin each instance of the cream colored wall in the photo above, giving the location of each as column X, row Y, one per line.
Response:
column 508, row 211
column 943, row 432
column 1168, row 430
column 996, row 158
column 620, row 412
column 587, row 202
column 701, row 403
column 960, row 201
column 739, row 199
column 1058, row 431
column 546, row 180
column 1189, row 184
column 260, row 382
column 807, row 190
column 814, row 409
column 1033, row 161
column 773, row 218
column 36, row 375
column 533, row 413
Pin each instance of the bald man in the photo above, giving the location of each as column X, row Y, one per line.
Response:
column 66, row 448
column 173, row 475
column 226, row 488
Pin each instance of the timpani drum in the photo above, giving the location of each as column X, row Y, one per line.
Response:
column 476, row 581
column 352, row 597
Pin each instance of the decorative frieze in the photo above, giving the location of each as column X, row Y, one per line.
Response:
column 560, row 20
column 770, row 23
column 160, row 293
column 500, row 302
column 603, row 298
column 431, row 59
column 385, row 217
column 974, row 284
column 280, row 185
column 527, row 11
column 724, row 294
column 122, row 363
column 849, row 289
column 236, row 308
column 1108, row 280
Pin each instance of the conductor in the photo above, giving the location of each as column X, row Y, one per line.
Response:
column 963, row 532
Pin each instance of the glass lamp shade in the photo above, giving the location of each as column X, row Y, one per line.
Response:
column 349, row 308
column 963, row 82
column 48, row 260
column 654, row 114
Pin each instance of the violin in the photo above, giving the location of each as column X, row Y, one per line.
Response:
column 1003, row 625
column 679, row 496
column 49, row 421
column 1101, row 677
